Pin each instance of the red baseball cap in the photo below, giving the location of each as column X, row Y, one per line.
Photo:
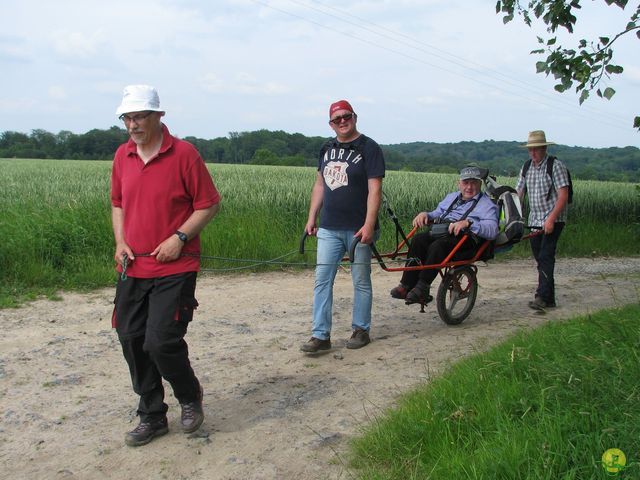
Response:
column 340, row 105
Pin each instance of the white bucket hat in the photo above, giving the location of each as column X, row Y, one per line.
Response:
column 138, row 98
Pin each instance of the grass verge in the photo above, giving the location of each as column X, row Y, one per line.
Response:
column 542, row 405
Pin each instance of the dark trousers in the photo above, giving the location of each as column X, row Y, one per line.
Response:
column 426, row 250
column 543, row 248
column 151, row 316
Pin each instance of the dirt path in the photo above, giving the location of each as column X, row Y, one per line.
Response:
column 271, row 411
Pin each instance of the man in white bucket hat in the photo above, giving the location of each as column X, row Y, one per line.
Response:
column 548, row 198
column 162, row 196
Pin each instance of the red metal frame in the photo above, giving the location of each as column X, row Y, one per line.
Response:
column 447, row 263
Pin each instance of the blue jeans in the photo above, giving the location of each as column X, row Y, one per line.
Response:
column 332, row 246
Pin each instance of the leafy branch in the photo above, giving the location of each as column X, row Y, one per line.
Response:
column 585, row 66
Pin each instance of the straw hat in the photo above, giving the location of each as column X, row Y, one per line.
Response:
column 537, row 138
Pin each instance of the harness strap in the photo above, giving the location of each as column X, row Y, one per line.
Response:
column 455, row 202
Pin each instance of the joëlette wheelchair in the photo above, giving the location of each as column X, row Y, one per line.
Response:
column 458, row 288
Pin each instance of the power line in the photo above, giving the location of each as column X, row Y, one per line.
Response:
column 614, row 121
column 455, row 59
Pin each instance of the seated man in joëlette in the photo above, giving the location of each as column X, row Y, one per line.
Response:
column 467, row 211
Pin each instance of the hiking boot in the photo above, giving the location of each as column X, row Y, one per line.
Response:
column 192, row 414
column 399, row 292
column 314, row 344
column 539, row 304
column 359, row 338
column 418, row 295
column 145, row 432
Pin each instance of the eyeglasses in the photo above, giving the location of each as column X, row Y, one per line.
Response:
column 134, row 118
column 338, row 120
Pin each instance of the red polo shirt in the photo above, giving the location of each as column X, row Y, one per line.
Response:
column 157, row 198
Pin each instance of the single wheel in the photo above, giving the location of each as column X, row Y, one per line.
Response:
column 457, row 294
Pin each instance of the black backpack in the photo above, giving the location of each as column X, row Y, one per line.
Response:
column 550, row 161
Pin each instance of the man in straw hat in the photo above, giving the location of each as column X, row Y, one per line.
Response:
column 348, row 190
column 548, row 198
column 162, row 196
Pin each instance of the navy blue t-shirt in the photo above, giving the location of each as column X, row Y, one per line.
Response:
column 346, row 169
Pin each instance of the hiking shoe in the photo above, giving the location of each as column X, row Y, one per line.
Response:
column 145, row 432
column 359, row 338
column 314, row 344
column 399, row 292
column 418, row 295
column 538, row 304
column 192, row 415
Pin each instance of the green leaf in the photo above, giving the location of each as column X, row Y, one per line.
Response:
column 498, row 7
column 560, row 88
column 539, row 51
column 636, row 122
column 604, row 40
column 583, row 96
column 614, row 69
column 608, row 93
column 552, row 41
column 541, row 67
column 539, row 9
column 507, row 18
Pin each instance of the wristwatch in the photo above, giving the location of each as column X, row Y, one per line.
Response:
column 182, row 236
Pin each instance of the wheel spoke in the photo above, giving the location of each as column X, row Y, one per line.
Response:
column 454, row 297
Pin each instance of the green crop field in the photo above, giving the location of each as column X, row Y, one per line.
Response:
column 56, row 224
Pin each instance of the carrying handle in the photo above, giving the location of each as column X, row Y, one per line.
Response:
column 302, row 240
column 372, row 246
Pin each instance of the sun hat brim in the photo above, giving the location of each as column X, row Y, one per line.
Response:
column 539, row 144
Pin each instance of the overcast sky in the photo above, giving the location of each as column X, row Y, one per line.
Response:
column 414, row 70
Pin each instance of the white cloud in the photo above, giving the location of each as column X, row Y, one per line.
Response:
column 57, row 92
column 632, row 73
column 242, row 83
column 13, row 105
column 78, row 44
column 14, row 49
column 430, row 100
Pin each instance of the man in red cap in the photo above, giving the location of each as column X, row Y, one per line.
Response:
column 346, row 195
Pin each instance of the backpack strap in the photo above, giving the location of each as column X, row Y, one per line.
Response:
column 550, row 160
column 330, row 142
column 525, row 169
column 442, row 217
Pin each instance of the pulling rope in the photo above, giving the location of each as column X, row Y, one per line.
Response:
column 253, row 262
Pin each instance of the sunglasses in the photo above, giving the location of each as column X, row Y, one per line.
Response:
column 338, row 120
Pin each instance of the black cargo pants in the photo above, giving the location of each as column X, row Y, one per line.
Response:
column 151, row 316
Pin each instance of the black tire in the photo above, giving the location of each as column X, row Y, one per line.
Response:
column 457, row 294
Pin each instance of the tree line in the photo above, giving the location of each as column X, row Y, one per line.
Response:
column 264, row 147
